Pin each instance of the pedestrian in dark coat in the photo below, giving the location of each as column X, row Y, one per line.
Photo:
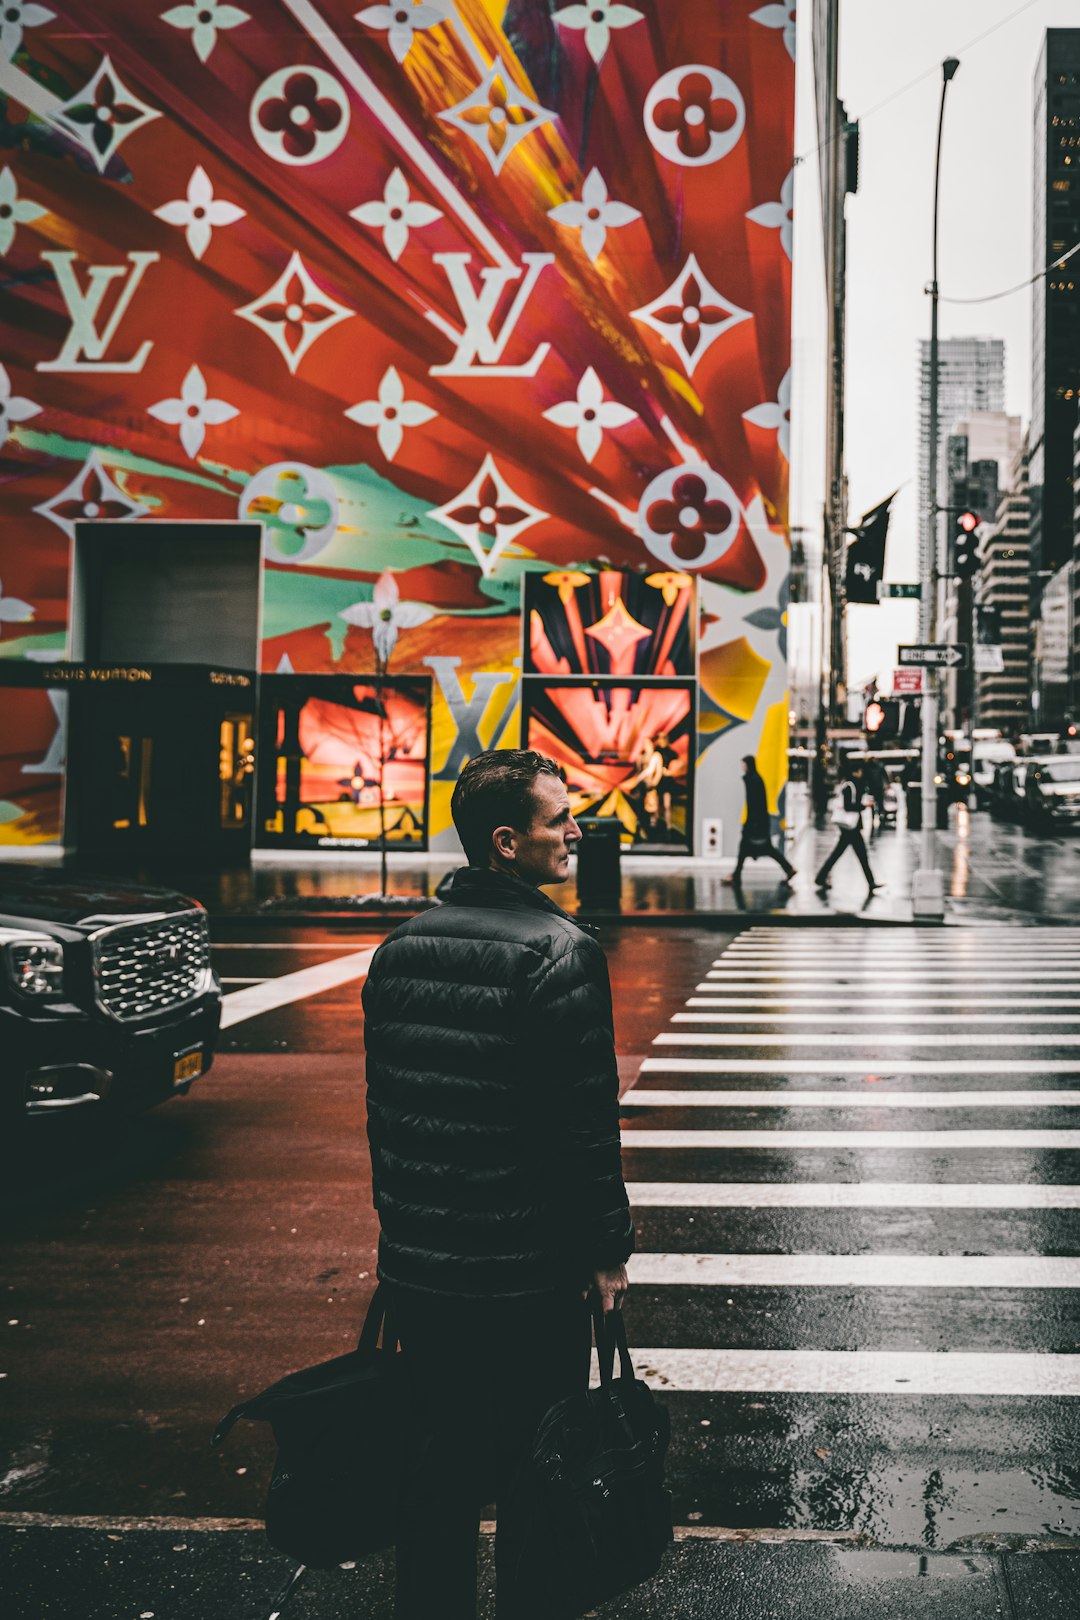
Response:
column 847, row 817
column 493, row 1123
column 756, row 842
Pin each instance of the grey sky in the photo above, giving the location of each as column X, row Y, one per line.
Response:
column 985, row 247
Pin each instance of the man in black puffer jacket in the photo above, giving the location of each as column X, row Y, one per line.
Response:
column 493, row 1122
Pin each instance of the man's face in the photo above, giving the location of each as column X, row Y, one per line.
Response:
column 541, row 853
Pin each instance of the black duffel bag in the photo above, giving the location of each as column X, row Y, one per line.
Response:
column 347, row 1446
column 594, row 1516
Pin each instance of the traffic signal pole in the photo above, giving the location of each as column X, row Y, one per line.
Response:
column 928, row 887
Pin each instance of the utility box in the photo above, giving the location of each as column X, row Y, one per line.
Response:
column 599, row 872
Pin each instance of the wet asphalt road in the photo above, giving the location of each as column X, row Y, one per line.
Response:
column 923, row 1391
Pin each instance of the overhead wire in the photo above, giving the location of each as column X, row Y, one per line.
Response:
column 927, row 73
column 990, row 298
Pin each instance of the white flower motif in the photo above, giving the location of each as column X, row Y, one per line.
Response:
column 91, row 496
column 294, row 312
column 390, row 414
column 779, row 215
column 204, row 20
column 598, row 19
column 497, row 115
column 776, row 415
column 14, row 210
column 779, row 16
column 385, row 615
column 193, row 412
column 396, row 215
column 200, row 212
column 102, row 114
column 488, row 515
column 402, row 20
column 691, row 314
column 590, row 414
column 13, row 407
column 14, row 17
column 593, row 214
column 12, row 611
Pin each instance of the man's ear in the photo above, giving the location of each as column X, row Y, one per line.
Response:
column 504, row 843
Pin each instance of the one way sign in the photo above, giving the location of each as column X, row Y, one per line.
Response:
column 943, row 655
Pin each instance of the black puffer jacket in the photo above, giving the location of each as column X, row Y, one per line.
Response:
column 492, row 1096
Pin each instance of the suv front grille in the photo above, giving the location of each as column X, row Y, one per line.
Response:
column 142, row 968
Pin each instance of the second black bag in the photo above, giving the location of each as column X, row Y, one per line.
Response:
column 594, row 1516
column 347, row 1444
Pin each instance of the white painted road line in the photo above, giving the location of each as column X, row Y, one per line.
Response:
column 916, row 973
column 260, row 998
column 856, row 1141
column 893, row 1037
column 853, row 1271
column 263, row 980
column 932, row 1067
column 887, row 1019
column 768, row 997
column 881, row 989
column 850, row 1099
column 851, row 1195
column 281, row 945
column 861, row 1372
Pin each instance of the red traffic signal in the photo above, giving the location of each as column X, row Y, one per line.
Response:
column 874, row 717
column 968, row 521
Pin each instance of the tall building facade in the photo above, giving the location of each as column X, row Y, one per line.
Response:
column 971, row 380
column 1055, row 348
column 978, row 463
column 1002, row 697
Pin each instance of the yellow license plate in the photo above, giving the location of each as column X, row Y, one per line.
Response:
column 188, row 1065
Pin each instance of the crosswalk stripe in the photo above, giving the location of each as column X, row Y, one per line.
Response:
column 894, row 1037
column 853, row 1271
column 877, row 984
column 880, row 1066
column 852, row 1099
column 860, row 1372
column 851, row 1195
column 1023, row 1141
column 846, row 1019
column 769, row 997
column 863, row 970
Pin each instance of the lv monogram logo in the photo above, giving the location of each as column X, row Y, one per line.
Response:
column 480, row 350
column 85, row 347
column 468, row 713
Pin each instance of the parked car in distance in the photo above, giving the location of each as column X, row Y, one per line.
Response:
column 1052, row 792
column 108, row 999
column 987, row 753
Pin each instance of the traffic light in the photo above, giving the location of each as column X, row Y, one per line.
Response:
column 882, row 718
column 965, row 545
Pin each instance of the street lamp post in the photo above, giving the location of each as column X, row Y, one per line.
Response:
column 928, row 889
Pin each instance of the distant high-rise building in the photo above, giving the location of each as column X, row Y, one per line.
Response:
column 979, row 460
column 1055, row 348
column 1002, row 697
column 971, row 379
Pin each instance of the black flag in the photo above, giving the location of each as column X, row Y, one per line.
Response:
column 866, row 554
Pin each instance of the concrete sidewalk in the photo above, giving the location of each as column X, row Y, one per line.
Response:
column 223, row 1570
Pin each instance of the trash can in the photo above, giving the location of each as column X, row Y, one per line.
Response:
column 599, row 876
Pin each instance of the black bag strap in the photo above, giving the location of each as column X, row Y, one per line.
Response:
column 610, row 1332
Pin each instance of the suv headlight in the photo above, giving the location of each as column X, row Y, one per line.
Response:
column 36, row 966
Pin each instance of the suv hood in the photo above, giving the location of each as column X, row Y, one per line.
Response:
column 47, row 894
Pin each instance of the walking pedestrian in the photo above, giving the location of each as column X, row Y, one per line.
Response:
column 756, row 842
column 493, row 1123
column 847, row 816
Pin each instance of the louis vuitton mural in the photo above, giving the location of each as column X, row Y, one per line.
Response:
column 444, row 294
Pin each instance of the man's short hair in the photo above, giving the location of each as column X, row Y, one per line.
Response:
column 495, row 789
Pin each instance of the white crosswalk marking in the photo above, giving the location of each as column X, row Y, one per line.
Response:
column 851, row 1195
column 854, row 1271
column 857, row 1007
column 792, row 1098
